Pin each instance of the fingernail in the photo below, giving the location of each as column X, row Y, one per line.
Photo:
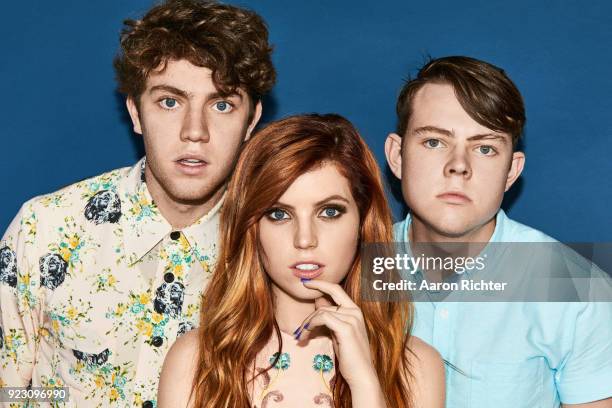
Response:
column 305, row 279
column 298, row 335
column 307, row 325
column 296, row 330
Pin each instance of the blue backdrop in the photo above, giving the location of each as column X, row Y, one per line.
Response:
column 62, row 120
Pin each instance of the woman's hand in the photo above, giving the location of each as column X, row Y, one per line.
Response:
column 350, row 340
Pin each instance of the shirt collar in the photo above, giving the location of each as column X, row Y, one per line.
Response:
column 501, row 219
column 143, row 225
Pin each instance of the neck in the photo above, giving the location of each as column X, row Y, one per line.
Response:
column 180, row 214
column 289, row 311
column 426, row 240
column 421, row 232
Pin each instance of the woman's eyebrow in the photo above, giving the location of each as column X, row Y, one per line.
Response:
column 323, row 201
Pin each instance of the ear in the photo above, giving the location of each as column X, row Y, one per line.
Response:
column 133, row 111
column 254, row 121
column 393, row 152
column 516, row 168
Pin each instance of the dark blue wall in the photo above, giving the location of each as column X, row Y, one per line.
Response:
column 62, row 121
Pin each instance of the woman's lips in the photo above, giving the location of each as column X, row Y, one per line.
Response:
column 307, row 273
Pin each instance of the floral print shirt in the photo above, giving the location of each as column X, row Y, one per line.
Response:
column 95, row 287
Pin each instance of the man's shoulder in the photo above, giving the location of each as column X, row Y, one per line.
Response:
column 398, row 228
column 514, row 231
column 94, row 197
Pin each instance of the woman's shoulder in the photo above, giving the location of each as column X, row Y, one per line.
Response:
column 427, row 369
column 176, row 382
column 186, row 344
column 421, row 353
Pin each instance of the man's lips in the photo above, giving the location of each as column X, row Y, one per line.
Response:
column 191, row 164
column 307, row 270
column 454, row 197
column 191, row 157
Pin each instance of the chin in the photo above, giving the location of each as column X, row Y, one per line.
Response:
column 303, row 294
column 195, row 194
column 453, row 232
column 451, row 227
column 457, row 228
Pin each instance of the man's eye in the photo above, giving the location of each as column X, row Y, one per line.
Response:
column 223, row 106
column 277, row 214
column 487, row 150
column 432, row 143
column 169, row 103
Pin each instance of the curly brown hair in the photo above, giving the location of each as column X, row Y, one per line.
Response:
column 232, row 42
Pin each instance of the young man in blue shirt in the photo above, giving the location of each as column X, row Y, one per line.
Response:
column 459, row 122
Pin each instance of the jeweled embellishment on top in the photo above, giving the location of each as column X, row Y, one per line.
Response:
column 322, row 362
column 283, row 362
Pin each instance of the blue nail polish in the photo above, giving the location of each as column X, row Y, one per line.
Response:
column 298, row 335
column 307, row 325
column 296, row 330
column 305, row 279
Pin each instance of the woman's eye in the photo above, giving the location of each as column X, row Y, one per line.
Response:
column 331, row 212
column 433, row 143
column 277, row 214
column 223, row 106
column 169, row 103
column 487, row 150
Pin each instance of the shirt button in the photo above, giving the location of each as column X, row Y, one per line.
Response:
column 147, row 404
column 157, row 341
column 175, row 235
column 169, row 277
column 444, row 313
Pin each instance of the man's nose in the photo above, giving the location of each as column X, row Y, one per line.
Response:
column 195, row 126
column 458, row 165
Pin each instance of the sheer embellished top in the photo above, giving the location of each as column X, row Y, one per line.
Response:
column 302, row 374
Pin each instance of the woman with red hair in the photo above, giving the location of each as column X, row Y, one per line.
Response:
column 282, row 319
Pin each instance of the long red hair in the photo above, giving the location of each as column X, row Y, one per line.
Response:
column 237, row 314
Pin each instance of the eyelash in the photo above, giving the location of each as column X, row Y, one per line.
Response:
column 231, row 106
column 340, row 210
column 490, row 147
column 425, row 143
column 160, row 102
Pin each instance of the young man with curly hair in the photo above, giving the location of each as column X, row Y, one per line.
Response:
column 97, row 280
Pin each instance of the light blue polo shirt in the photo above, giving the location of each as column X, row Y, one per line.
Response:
column 518, row 354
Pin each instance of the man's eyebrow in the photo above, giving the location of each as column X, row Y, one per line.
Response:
column 433, row 129
column 170, row 89
column 489, row 136
column 449, row 133
column 184, row 94
column 318, row 203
